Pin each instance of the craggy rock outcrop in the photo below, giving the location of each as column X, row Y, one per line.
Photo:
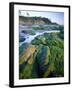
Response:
column 43, row 58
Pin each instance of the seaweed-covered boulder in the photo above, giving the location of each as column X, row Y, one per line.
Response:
column 41, row 61
column 26, row 62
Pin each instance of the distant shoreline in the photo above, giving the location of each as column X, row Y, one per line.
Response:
column 35, row 20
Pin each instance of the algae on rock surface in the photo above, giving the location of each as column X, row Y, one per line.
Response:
column 43, row 58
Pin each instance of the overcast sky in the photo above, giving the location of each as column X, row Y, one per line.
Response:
column 57, row 17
